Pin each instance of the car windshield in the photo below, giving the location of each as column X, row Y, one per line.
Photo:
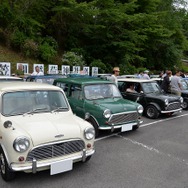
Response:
column 184, row 84
column 30, row 102
column 100, row 91
column 151, row 87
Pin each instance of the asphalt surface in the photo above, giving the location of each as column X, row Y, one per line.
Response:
column 154, row 156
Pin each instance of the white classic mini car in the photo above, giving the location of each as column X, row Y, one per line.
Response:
column 38, row 130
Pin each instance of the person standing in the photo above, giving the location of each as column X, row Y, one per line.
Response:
column 37, row 72
column 114, row 75
column 166, row 82
column 145, row 75
column 175, row 84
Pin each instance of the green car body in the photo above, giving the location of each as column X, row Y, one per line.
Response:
column 100, row 102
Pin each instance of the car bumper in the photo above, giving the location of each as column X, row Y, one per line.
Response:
column 170, row 111
column 128, row 126
column 35, row 166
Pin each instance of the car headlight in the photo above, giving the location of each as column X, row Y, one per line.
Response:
column 181, row 99
column 107, row 113
column 21, row 144
column 166, row 102
column 89, row 133
column 140, row 109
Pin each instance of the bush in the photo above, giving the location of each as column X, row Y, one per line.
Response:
column 30, row 48
column 47, row 52
column 73, row 59
column 17, row 39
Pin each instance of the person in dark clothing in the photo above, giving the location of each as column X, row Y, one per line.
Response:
column 166, row 82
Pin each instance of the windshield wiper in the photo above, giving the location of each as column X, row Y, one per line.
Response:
column 34, row 110
column 59, row 108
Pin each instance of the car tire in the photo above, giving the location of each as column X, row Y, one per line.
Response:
column 87, row 159
column 185, row 105
column 151, row 112
column 92, row 121
column 6, row 173
column 135, row 127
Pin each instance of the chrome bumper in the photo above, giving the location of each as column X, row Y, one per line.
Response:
column 112, row 127
column 177, row 110
column 34, row 165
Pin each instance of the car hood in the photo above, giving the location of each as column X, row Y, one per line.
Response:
column 116, row 105
column 48, row 127
column 161, row 96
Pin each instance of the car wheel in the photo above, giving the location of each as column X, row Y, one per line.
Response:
column 6, row 173
column 92, row 121
column 87, row 159
column 185, row 105
column 135, row 127
column 152, row 112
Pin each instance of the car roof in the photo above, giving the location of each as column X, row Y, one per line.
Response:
column 139, row 80
column 10, row 78
column 83, row 81
column 16, row 86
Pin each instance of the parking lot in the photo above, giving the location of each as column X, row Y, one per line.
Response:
column 155, row 155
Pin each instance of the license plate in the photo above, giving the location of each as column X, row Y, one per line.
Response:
column 128, row 127
column 61, row 166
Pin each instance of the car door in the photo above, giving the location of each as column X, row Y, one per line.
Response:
column 76, row 100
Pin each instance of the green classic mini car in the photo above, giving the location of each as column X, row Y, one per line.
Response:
column 100, row 103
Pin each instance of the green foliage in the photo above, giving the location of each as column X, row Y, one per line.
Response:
column 72, row 59
column 48, row 49
column 30, row 48
column 17, row 39
column 102, row 67
column 108, row 33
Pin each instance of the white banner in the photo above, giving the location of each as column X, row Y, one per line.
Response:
column 52, row 69
column 76, row 70
column 65, row 69
column 24, row 67
column 95, row 71
column 5, row 68
column 86, row 70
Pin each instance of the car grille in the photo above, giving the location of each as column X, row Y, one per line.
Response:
column 56, row 150
column 123, row 118
column 174, row 106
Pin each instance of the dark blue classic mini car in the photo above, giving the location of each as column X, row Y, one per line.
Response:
column 49, row 79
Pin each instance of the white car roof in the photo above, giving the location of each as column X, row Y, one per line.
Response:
column 18, row 86
column 139, row 80
column 10, row 77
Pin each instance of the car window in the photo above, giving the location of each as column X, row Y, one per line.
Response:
column 14, row 103
column 184, row 85
column 76, row 91
column 63, row 86
column 151, row 87
column 98, row 91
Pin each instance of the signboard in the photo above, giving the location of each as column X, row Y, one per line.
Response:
column 95, row 71
column 86, row 71
column 5, row 68
column 41, row 67
column 65, row 69
column 76, row 70
column 24, row 67
column 52, row 69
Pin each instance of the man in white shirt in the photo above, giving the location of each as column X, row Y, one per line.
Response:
column 37, row 72
column 114, row 75
column 145, row 75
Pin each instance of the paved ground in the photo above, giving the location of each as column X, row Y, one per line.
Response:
column 154, row 156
